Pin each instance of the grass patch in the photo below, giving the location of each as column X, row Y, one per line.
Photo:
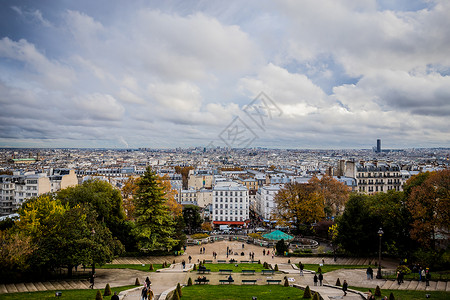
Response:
column 66, row 294
column 137, row 267
column 408, row 294
column 238, row 269
column 226, row 292
column 329, row 268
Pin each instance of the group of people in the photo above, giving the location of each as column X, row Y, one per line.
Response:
column 146, row 291
column 318, row 279
column 202, row 250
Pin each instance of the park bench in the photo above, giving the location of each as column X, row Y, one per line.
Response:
column 244, row 261
column 244, row 281
column 255, row 261
column 264, row 272
column 252, row 272
column 277, row 281
column 222, row 261
column 204, row 271
column 201, row 281
column 223, row 281
column 208, row 261
column 222, row 271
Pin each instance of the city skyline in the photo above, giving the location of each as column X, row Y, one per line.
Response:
column 298, row 75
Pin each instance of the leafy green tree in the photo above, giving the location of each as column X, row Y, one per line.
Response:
column 357, row 228
column 101, row 197
column 154, row 220
column 281, row 247
column 192, row 218
column 15, row 251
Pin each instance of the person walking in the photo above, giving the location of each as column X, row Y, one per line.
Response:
column 183, row 263
column 144, row 293
column 91, row 280
column 115, row 296
column 315, row 279
column 427, row 278
column 320, row 279
column 301, row 268
column 189, row 258
column 344, row 287
column 369, row 273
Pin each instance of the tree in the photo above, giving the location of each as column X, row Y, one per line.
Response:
column 15, row 251
column 207, row 226
column 429, row 204
column 128, row 190
column 281, row 247
column 299, row 203
column 335, row 193
column 170, row 195
column 154, row 221
column 192, row 218
column 184, row 171
column 357, row 229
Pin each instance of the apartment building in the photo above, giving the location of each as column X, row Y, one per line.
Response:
column 265, row 203
column 230, row 204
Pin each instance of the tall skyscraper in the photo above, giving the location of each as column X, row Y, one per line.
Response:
column 379, row 145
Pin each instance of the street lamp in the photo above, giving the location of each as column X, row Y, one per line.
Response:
column 380, row 234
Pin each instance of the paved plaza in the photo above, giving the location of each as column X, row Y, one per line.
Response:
column 168, row 278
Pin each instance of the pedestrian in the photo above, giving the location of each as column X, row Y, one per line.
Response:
column 201, row 250
column 344, row 287
column 427, row 278
column 420, row 273
column 399, row 277
column 301, row 268
column 91, row 280
column 115, row 297
column 320, row 278
column 184, row 264
column 264, row 252
column 189, row 258
column 144, row 293
column 204, row 250
column 148, row 283
column 315, row 279
column 422, row 278
column 369, row 273
column 243, row 245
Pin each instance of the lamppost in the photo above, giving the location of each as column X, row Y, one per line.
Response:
column 380, row 234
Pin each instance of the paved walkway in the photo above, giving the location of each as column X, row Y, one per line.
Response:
column 166, row 279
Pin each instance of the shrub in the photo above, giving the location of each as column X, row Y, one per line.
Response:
column 175, row 295
column 137, row 282
column 316, row 296
column 338, row 282
column 107, row 290
column 319, row 270
column 307, row 293
column 391, row 296
column 99, row 295
column 286, row 282
column 199, row 236
column 179, row 289
column 150, row 268
column 276, row 267
column 255, row 236
column 189, row 281
column 377, row 291
column 320, row 250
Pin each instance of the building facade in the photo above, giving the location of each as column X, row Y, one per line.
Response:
column 230, row 204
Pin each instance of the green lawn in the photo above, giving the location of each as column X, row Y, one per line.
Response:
column 226, row 292
column 138, row 267
column 238, row 269
column 329, row 268
column 444, row 275
column 66, row 294
column 408, row 295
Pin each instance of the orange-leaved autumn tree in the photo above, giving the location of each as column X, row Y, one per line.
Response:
column 128, row 190
column 298, row 203
column 184, row 171
column 429, row 205
column 335, row 193
column 171, row 195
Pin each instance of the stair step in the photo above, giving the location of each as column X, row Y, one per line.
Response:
column 413, row 285
column 48, row 286
column 432, row 286
column 40, row 286
column 30, row 286
column 11, row 288
column 57, row 285
column 21, row 287
column 3, row 289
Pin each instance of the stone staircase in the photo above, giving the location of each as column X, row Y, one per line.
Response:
column 43, row 286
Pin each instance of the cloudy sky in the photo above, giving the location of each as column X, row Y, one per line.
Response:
column 289, row 74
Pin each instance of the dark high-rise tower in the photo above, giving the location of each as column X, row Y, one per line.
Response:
column 379, row 145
